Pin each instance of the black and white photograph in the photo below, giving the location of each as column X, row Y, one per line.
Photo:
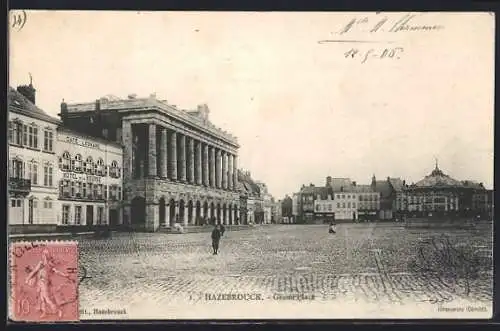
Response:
column 250, row 165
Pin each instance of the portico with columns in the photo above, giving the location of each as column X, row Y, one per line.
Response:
column 178, row 171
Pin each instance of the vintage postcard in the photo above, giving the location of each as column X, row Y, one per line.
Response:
column 250, row 165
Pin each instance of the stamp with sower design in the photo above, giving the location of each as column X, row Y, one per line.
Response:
column 44, row 281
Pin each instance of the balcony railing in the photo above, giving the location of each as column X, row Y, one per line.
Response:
column 19, row 185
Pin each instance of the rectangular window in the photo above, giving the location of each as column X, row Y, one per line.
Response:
column 35, row 138
column 34, row 173
column 73, row 189
column 343, row 204
column 348, row 205
column 78, row 215
column 47, row 140
column 338, row 204
column 25, row 135
column 30, row 136
column 95, row 191
column 119, row 193
column 84, row 190
column 11, row 132
column 354, row 205
column 106, row 192
column 78, row 189
column 65, row 214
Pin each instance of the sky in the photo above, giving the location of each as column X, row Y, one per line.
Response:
column 301, row 109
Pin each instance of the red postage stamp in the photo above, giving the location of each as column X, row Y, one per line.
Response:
column 44, row 281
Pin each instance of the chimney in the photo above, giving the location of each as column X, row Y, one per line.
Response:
column 329, row 181
column 28, row 91
column 64, row 111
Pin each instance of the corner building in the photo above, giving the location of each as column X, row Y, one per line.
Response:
column 177, row 166
column 89, row 177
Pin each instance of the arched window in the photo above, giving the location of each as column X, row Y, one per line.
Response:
column 114, row 170
column 65, row 163
column 89, row 165
column 78, row 163
column 100, row 167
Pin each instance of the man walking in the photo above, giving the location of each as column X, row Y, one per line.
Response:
column 216, row 234
column 222, row 229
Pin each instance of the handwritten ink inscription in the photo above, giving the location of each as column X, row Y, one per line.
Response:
column 393, row 53
column 401, row 24
column 18, row 19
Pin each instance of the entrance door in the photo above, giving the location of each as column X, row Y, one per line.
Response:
column 113, row 217
column 30, row 211
column 90, row 215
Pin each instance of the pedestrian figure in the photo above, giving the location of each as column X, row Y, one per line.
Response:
column 222, row 229
column 216, row 234
column 332, row 228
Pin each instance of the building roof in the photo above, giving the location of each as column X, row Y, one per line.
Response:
column 437, row 178
column 397, row 184
column 383, row 187
column 364, row 189
column 341, row 185
column 20, row 104
column 473, row 184
column 247, row 184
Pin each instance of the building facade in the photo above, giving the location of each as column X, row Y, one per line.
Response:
column 438, row 194
column 32, row 161
column 177, row 166
column 368, row 203
column 295, row 207
column 89, row 177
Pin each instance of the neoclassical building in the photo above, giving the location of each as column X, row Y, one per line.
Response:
column 177, row 166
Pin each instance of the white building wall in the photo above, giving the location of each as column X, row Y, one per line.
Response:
column 43, row 192
column 346, row 205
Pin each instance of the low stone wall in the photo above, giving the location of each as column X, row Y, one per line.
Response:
column 32, row 228
column 445, row 222
column 208, row 228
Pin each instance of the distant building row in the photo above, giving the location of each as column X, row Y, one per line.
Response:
column 390, row 199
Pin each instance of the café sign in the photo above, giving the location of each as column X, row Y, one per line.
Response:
column 81, row 142
column 82, row 177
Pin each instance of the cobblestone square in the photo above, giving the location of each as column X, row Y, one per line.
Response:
column 362, row 263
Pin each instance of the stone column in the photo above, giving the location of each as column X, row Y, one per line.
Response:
column 236, row 215
column 235, row 172
column 173, row 156
column 218, row 169
column 185, row 220
column 209, row 213
column 224, row 169
column 226, row 216
column 152, row 150
column 182, row 157
column 190, row 157
column 128, row 150
column 198, row 167
column 167, row 215
column 163, row 153
column 152, row 217
column 176, row 212
column 230, row 172
column 212, row 167
column 205, row 165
